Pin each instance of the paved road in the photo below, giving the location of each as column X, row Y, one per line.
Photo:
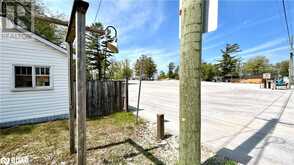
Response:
column 241, row 121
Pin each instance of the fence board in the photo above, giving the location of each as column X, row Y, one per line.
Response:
column 104, row 97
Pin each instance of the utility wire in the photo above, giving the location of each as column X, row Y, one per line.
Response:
column 98, row 9
column 290, row 19
column 287, row 25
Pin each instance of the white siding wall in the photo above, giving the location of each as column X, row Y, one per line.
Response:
column 26, row 105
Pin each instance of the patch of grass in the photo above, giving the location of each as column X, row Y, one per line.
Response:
column 20, row 130
column 230, row 162
column 123, row 118
column 49, row 141
column 32, row 129
column 116, row 119
column 219, row 161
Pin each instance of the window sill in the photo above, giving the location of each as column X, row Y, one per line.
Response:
column 31, row 89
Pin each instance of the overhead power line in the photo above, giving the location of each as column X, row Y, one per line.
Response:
column 287, row 24
column 98, row 9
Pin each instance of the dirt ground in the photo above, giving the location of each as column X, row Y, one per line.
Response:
column 115, row 139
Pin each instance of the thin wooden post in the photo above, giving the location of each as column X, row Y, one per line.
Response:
column 139, row 94
column 126, row 104
column 160, row 126
column 71, row 99
column 190, row 84
column 80, row 25
column 291, row 70
column 3, row 16
column 15, row 15
column 126, row 101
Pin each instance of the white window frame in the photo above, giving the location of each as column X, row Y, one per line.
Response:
column 34, row 86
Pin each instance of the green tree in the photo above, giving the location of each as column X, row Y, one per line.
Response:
column 171, row 67
column 98, row 59
column 149, row 67
column 208, row 71
column 282, row 68
column 162, row 75
column 228, row 64
column 257, row 66
column 52, row 32
column 120, row 70
column 176, row 74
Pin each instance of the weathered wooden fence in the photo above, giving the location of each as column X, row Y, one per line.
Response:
column 104, row 97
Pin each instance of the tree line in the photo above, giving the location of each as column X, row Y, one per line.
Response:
column 231, row 66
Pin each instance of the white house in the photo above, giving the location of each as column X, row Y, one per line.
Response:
column 33, row 78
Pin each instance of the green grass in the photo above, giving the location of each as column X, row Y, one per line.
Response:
column 117, row 119
column 123, row 118
column 219, row 161
column 18, row 130
column 230, row 162
column 51, row 139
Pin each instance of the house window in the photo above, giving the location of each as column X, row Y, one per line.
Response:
column 23, row 77
column 32, row 77
column 42, row 76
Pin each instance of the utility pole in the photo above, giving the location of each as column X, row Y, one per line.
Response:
column 190, row 83
column 80, row 24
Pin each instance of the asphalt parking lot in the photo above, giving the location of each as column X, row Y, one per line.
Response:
column 241, row 121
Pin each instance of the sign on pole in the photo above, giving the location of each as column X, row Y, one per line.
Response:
column 210, row 15
column 210, row 19
column 266, row 76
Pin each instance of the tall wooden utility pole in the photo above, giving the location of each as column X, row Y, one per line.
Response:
column 80, row 25
column 190, row 84
column 71, row 99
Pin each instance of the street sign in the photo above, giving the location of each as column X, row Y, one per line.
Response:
column 266, row 76
column 210, row 15
column 210, row 18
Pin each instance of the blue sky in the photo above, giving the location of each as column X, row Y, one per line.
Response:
column 151, row 27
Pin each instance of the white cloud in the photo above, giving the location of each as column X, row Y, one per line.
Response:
column 262, row 47
column 237, row 28
column 267, row 52
column 213, row 46
column 127, row 15
column 131, row 17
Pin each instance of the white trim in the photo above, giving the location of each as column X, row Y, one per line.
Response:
column 31, row 89
column 34, row 86
column 33, row 77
